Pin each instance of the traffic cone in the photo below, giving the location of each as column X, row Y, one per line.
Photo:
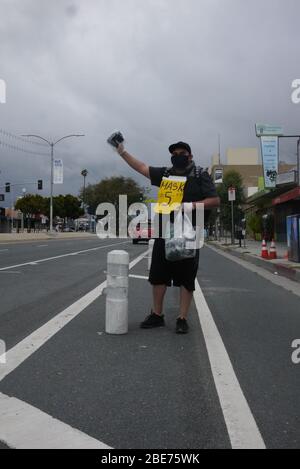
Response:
column 273, row 251
column 264, row 250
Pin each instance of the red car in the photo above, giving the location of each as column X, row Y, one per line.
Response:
column 143, row 232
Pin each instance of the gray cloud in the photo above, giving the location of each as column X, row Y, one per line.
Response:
column 160, row 70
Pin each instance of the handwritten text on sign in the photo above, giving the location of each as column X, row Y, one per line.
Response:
column 170, row 194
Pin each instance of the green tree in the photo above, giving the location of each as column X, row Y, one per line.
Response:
column 231, row 179
column 109, row 189
column 31, row 205
column 254, row 224
column 65, row 206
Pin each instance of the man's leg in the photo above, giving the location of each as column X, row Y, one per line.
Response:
column 159, row 292
column 156, row 318
column 185, row 302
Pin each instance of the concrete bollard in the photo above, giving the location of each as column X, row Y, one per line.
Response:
column 116, row 315
column 151, row 244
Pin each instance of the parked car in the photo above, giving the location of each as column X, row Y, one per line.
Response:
column 143, row 232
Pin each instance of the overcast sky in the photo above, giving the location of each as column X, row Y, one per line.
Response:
column 159, row 70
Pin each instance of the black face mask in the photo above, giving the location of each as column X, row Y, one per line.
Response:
column 180, row 161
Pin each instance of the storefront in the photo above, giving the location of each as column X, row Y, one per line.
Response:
column 285, row 205
column 279, row 203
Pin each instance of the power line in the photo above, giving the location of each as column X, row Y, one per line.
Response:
column 23, row 150
column 12, row 136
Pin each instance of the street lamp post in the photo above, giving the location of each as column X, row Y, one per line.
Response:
column 52, row 145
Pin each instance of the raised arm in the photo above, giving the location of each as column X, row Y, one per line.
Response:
column 135, row 164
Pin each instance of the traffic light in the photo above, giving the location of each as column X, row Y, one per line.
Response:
column 7, row 187
column 40, row 185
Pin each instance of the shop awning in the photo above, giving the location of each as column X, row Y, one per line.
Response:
column 283, row 198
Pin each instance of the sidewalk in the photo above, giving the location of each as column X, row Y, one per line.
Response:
column 17, row 237
column 252, row 253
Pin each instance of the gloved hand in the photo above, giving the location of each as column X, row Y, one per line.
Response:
column 116, row 140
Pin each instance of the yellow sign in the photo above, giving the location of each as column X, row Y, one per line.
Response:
column 170, row 194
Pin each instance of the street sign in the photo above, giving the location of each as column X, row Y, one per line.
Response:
column 58, row 172
column 231, row 194
column 218, row 175
column 266, row 130
column 289, row 177
column 270, row 158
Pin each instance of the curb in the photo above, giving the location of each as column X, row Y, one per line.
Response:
column 281, row 269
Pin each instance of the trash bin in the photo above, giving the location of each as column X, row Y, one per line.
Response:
column 293, row 237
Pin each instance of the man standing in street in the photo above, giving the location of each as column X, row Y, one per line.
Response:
column 199, row 188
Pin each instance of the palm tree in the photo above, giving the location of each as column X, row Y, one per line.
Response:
column 84, row 173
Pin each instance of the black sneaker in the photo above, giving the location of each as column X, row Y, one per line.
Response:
column 153, row 320
column 182, row 326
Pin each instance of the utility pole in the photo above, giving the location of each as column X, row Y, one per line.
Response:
column 52, row 145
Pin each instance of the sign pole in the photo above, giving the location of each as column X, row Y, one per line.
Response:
column 232, row 224
column 232, row 198
column 298, row 161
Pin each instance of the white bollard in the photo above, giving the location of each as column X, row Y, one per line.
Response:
column 151, row 244
column 116, row 315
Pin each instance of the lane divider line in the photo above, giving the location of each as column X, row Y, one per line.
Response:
column 61, row 256
column 242, row 428
column 141, row 277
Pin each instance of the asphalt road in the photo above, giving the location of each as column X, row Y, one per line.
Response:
column 33, row 293
column 151, row 389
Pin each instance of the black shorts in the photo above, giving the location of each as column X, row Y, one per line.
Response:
column 163, row 272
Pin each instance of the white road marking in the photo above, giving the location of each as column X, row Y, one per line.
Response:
column 282, row 282
column 242, row 428
column 61, row 256
column 24, row 349
column 141, row 277
column 3, row 250
column 42, row 245
column 25, row 427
